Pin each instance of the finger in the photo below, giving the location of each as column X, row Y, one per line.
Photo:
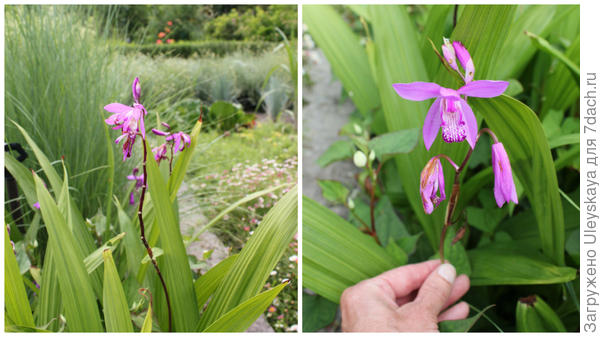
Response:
column 403, row 280
column 459, row 289
column 459, row 311
column 436, row 290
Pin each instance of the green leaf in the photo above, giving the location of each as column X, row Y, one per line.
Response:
column 23, row 177
column 174, row 263
column 517, row 48
column 347, row 57
column 49, row 305
column 393, row 143
column 387, row 224
column 489, row 216
column 18, row 310
column 234, row 206
column 510, row 264
column 396, row 252
column 116, row 310
column 249, row 272
column 243, row 315
column 334, row 191
column 206, row 284
column 545, row 46
column 519, row 129
column 462, row 325
column 456, row 254
column 317, row 312
column 79, row 301
column 147, row 326
column 339, row 150
column 560, row 89
column 132, row 245
column 409, row 243
column 336, row 255
column 95, row 259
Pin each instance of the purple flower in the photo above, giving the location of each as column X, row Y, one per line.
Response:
column 450, row 111
column 449, row 54
column 129, row 119
column 432, row 181
column 160, row 152
column 136, row 89
column 465, row 60
column 504, row 186
column 36, row 205
column 139, row 181
column 180, row 140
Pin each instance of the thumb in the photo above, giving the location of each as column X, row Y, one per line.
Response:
column 436, row 289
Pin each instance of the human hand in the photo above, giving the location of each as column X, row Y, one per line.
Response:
column 408, row 298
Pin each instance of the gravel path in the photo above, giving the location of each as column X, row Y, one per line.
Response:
column 322, row 116
column 190, row 216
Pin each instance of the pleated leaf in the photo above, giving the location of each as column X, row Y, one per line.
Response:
column 347, row 57
column 78, row 296
column 502, row 265
column 174, row 263
column 16, row 303
column 335, row 254
column 521, row 132
column 206, row 284
column 247, row 276
column 116, row 311
column 241, row 317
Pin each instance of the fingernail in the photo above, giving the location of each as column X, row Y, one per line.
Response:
column 448, row 272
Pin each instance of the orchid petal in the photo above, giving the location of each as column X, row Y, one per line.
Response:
column 417, row 91
column 471, row 121
column 433, row 120
column 484, row 88
column 442, row 185
column 117, row 108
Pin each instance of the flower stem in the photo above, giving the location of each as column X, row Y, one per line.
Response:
column 456, row 188
column 453, row 200
column 143, row 234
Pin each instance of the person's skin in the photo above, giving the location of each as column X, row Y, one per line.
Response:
column 409, row 298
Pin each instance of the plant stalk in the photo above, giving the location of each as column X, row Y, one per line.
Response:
column 143, row 235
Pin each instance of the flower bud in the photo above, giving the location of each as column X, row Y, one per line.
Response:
column 350, row 203
column 360, row 159
column 136, row 89
column 372, row 155
column 357, row 128
column 449, row 54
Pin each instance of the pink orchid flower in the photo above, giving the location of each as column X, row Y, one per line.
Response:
column 129, row 119
column 450, row 111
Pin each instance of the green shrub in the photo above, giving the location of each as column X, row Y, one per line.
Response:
column 216, row 48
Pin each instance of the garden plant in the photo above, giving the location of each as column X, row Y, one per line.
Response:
column 495, row 194
column 93, row 239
